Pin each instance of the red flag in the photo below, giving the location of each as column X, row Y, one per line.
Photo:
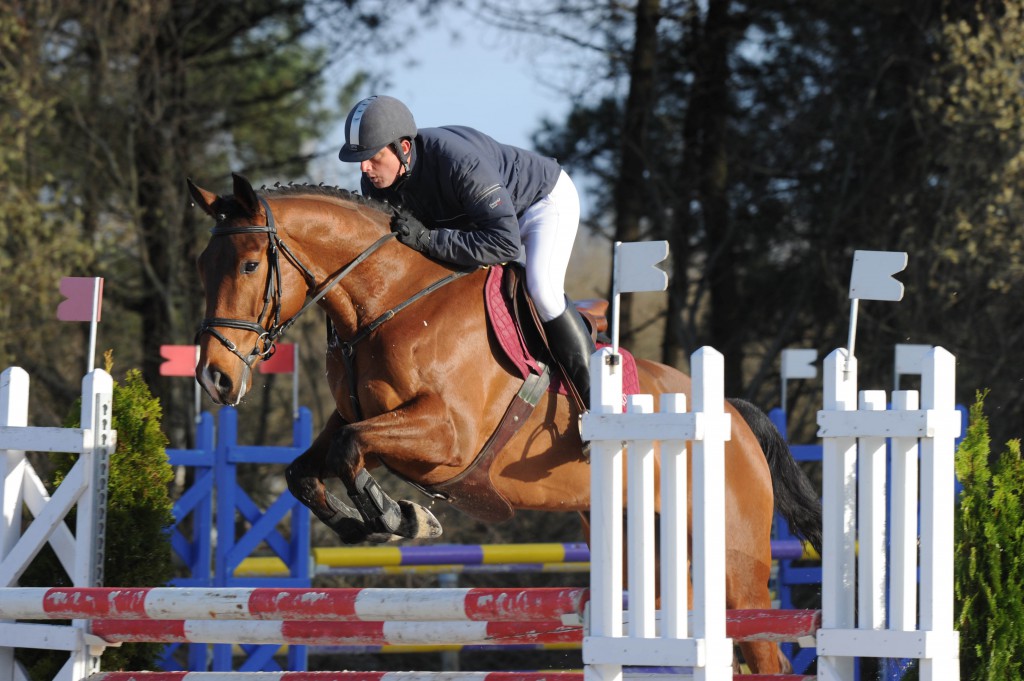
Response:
column 181, row 360
column 283, row 361
column 79, row 304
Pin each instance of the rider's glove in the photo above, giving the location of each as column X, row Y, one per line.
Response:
column 411, row 232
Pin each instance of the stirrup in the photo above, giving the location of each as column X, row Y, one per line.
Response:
column 586, row 443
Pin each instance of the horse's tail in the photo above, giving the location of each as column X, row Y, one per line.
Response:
column 795, row 497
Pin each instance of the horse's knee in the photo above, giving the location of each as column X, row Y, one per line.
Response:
column 341, row 458
column 302, row 482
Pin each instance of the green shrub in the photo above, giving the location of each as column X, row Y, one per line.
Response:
column 989, row 581
column 139, row 518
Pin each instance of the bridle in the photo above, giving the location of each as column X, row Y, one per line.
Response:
column 267, row 336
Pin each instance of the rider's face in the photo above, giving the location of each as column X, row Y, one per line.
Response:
column 384, row 167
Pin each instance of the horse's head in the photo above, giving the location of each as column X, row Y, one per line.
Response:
column 246, row 301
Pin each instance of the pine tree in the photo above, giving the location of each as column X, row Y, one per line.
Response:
column 989, row 582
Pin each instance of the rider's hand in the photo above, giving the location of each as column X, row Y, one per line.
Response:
column 411, row 232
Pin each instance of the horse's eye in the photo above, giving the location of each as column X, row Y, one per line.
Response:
column 250, row 267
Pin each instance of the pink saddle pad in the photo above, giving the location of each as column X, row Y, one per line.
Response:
column 510, row 337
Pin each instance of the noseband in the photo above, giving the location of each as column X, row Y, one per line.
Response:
column 266, row 336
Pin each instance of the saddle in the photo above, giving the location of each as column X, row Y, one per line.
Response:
column 518, row 329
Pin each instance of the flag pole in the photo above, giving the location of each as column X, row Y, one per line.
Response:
column 615, row 298
column 93, row 323
column 854, row 305
column 295, row 384
column 198, row 398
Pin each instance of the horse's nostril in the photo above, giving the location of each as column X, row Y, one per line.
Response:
column 222, row 383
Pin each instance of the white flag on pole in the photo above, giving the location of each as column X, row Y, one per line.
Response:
column 636, row 266
column 909, row 357
column 799, row 363
column 872, row 277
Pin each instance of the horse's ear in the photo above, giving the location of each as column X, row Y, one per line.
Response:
column 203, row 198
column 245, row 194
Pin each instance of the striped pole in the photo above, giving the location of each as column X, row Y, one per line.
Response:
column 167, row 603
column 471, row 558
column 525, row 611
column 741, row 625
column 389, row 676
column 334, row 633
column 337, row 676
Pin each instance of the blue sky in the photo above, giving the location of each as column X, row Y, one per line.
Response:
column 480, row 78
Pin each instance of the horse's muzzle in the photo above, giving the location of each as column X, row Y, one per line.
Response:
column 220, row 386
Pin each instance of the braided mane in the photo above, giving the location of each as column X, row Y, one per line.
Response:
column 294, row 189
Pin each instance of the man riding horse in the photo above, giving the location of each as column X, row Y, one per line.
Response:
column 469, row 200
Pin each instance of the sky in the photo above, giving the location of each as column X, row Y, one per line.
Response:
column 480, row 78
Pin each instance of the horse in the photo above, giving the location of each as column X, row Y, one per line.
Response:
column 420, row 385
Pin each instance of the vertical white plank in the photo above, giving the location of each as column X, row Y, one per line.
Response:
column 14, row 389
column 709, row 516
column 606, row 460
column 97, row 416
column 674, row 524
column 903, row 544
column 938, row 383
column 839, row 461
column 640, row 525
column 871, row 505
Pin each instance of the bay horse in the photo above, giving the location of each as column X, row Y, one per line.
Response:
column 420, row 385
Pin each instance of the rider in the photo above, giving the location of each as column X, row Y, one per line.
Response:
column 480, row 203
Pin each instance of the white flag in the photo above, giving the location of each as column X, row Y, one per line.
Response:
column 635, row 266
column 909, row 357
column 799, row 364
column 872, row 277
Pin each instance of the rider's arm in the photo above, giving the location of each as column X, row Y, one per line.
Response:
column 492, row 233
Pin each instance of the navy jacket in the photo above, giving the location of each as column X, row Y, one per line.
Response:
column 470, row 191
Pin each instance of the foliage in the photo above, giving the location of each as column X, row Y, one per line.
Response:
column 137, row 539
column 989, row 580
column 36, row 243
column 783, row 136
column 111, row 106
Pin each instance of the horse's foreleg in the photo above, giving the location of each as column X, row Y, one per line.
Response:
column 382, row 516
column 305, row 478
column 418, row 433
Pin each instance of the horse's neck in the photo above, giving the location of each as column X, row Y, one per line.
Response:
column 334, row 238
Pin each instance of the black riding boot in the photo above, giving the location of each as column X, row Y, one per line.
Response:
column 572, row 347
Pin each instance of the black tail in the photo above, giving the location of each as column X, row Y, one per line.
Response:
column 795, row 497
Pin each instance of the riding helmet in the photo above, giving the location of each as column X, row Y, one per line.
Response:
column 373, row 124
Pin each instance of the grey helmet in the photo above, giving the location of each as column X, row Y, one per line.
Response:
column 373, row 124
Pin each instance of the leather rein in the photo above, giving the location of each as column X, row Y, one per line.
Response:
column 269, row 330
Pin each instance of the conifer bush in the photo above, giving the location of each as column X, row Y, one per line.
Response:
column 989, row 576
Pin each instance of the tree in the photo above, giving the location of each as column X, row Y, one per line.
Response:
column 130, row 98
column 782, row 137
column 37, row 241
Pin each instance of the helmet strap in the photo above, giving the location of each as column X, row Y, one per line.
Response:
column 404, row 158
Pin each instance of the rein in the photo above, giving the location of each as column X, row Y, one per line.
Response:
column 266, row 338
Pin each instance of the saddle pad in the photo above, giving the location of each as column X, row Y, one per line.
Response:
column 510, row 337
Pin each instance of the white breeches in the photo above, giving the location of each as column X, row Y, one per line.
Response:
column 548, row 230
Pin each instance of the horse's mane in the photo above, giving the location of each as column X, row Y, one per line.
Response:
column 293, row 189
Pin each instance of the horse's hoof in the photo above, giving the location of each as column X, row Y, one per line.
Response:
column 350, row 530
column 418, row 522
